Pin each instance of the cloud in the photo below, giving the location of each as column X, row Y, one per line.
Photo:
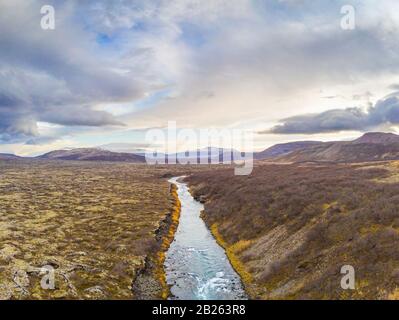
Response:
column 43, row 140
column 224, row 63
column 55, row 76
column 270, row 54
column 79, row 116
column 384, row 112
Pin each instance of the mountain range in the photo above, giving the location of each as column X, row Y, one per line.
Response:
column 372, row 146
column 8, row 156
column 284, row 148
column 92, row 154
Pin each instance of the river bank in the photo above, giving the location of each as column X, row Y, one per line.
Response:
column 150, row 282
column 94, row 223
column 196, row 266
column 293, row 227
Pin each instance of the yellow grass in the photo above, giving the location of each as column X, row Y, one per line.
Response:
column 232, row 252
column 166, row 241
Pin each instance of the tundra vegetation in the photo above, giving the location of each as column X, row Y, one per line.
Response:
column 288, row 229
column 101, row 226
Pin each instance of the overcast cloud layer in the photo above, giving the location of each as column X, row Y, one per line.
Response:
column 385, row 112
column 111, row 69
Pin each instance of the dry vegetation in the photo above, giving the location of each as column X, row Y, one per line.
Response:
column 288, row 229
column 100, row 225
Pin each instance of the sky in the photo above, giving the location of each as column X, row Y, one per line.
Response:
column 112, row 70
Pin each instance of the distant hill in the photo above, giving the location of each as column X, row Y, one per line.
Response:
column 92, row 154
column 378, row 137
column 374, row 146
column 8, row 156
column 213, row 154
column 209, row 155
column 284, row 148
column 135, row 148
column 202, row 156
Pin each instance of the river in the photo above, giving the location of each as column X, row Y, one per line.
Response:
column 196, row 267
